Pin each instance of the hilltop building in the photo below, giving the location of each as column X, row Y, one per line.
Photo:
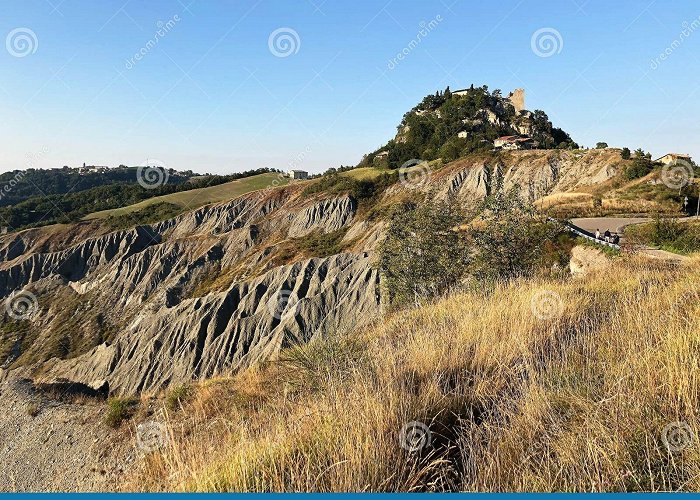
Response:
column 298, row 174
column 516, row 98
column 515, row 142
column 669, row 158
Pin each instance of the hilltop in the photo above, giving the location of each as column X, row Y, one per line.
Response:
column 449, row 125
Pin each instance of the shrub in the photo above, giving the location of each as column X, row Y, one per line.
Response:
column 510, row 238
column 177, row 396
column 118, row 410
column 423, row 255
column 431, row 249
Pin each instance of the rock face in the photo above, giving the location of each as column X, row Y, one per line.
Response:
column 191, row 297
column 536, row 173
column 224, row 286
column 222, row 332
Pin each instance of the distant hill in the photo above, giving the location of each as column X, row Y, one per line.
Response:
column 20, row 185
column 70, row 206
column 450, row 125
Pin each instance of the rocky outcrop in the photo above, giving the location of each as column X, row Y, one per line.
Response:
column 220, row 333
column 149, row 285
column 326, row 215
column 536, row 173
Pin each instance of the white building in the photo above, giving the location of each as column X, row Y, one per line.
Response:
column 669, row 158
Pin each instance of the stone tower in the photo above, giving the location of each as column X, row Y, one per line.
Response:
column 517, row 99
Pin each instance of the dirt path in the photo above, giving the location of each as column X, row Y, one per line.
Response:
column 48, row 445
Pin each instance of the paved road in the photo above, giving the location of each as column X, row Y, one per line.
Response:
column 612, row 224
column 617, row 225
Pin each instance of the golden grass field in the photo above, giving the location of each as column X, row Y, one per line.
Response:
column 541, row 384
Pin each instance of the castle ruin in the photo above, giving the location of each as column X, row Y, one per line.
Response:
column 517, row 99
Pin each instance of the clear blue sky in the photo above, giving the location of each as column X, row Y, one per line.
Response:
column 212, row 96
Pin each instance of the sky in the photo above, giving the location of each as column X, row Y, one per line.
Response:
column 226, row 86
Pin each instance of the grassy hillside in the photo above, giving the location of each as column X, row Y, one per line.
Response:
column 536, row 384
column 198, row 197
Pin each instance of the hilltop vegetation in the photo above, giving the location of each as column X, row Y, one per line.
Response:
column 30, row 183
column 430, row 130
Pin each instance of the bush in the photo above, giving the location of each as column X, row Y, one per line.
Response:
column 510, row 238
column 431, row 249
column 423, row 254
column 177, row 396
column 640, row 167
column 669, row 234
column 118, row 410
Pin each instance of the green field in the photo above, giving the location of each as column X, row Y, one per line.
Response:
column 203, row 196
column 198, row 197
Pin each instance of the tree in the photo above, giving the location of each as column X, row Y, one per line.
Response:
column 626, row 154
column 601, row 145
column 423, row 255
column 509, row 237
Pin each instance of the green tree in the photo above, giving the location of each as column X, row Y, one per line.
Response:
column 423, row 255
column 509, row 237
column 626, row 154
column 601, row 145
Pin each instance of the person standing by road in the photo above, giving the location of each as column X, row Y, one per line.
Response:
column 597, row 234
column 607, row 235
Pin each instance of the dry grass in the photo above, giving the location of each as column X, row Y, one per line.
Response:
column 514, row 403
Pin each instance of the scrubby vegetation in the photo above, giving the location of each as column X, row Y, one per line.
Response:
column 669, row 234
column 432, row 248
column 119, row 410
column 148, row 215
column 535, row 384
column 359, row 189
column 641, row 165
